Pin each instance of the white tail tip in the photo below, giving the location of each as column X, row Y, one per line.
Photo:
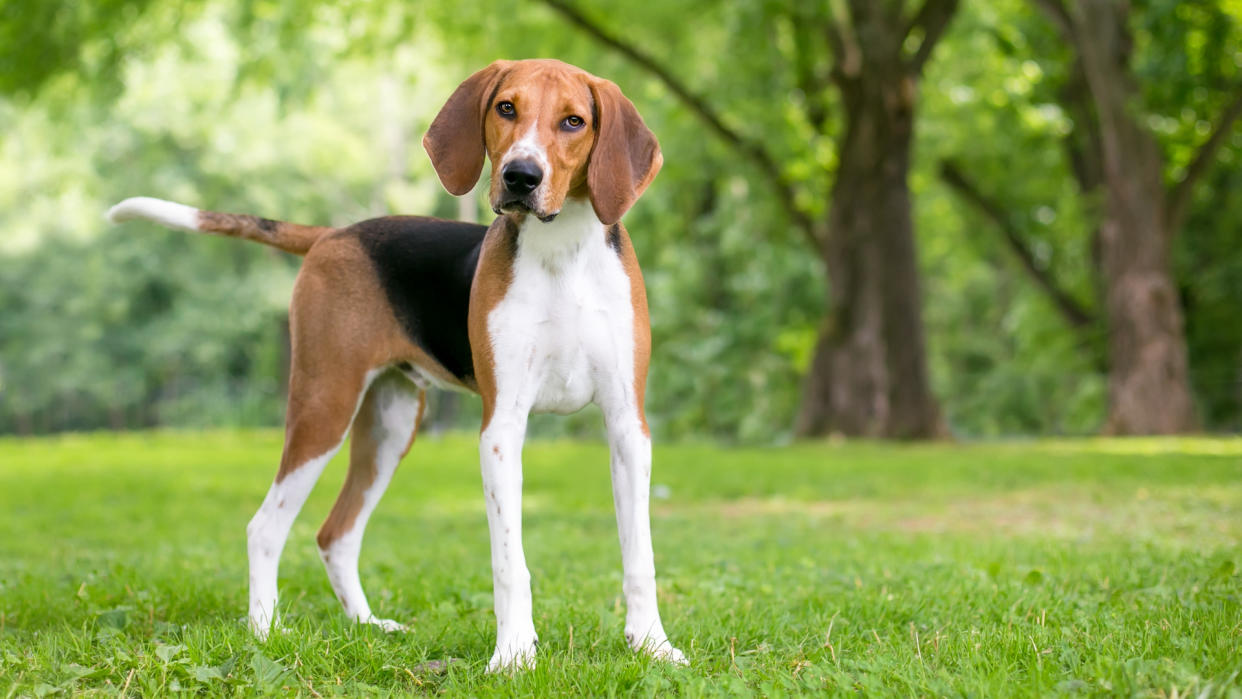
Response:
column 165, row 213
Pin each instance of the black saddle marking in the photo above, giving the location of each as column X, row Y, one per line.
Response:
column 426, row 268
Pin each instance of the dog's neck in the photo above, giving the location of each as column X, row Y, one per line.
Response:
column 575, row 229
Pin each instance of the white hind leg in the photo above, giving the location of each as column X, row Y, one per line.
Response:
column 314, row 432
column 382, row 433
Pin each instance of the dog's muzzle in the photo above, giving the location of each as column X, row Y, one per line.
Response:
column 521, row 178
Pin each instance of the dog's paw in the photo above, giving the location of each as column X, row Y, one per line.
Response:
column 513, row 656
column 263, row 629
column 659, row 648
column 388, row 625
column 667, row 653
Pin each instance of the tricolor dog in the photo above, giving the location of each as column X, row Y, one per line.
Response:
column 542, row 311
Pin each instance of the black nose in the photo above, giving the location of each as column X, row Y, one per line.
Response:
column 521, row 177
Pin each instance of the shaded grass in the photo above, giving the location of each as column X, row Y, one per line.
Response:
column 1096, row 567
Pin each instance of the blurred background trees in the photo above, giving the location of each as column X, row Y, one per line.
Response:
column 875, row 218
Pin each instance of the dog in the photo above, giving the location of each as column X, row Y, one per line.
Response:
column 542, row 311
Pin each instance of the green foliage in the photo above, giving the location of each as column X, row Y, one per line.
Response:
column 137, row 325
column 109, row 349
column 1102, row 567
column 1004, row 75
column 1211, row 270
column 1000, row 351
column 43, row 39
column 312, row 112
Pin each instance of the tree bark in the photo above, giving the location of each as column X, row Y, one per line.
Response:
column 869, row 373
column 1148, row 383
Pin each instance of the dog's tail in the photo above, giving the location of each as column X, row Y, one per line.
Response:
column 290, row 237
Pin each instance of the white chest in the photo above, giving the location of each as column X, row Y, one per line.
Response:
column 564, row 331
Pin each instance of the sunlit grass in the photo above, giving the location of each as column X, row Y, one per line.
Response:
column 1148, row 446
column 1096, row 566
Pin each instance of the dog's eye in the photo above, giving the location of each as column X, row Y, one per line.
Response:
column 505, row 109
column 573, row 122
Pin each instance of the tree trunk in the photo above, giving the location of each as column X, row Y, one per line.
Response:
column 868, row 376
column 869, row 373
column 1148, row 383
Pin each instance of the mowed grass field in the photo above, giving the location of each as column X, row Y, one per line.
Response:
column 1075, row 568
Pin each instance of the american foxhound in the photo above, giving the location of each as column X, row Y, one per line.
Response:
column 542, row 311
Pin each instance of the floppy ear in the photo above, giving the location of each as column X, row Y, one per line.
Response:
column 455, row 139
column 626, row 156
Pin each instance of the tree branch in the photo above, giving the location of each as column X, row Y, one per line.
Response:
column 1180, row 193
column 846, row 53
column 1071, row 311
column 752, row 149
column 1060, row 16
column 932, row 19
column 1083, row 143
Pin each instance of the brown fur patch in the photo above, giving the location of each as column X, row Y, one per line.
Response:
column 454, row 140
column 362, row 473
column 642, row 320
column 626, row 155
column 491, row 282
column 290, row 237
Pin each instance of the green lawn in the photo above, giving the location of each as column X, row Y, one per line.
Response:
column 1030, row 568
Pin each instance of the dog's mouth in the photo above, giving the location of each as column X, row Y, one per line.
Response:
column 520, row 206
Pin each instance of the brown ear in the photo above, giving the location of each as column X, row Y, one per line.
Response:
column 455, row 139
column 626, row 156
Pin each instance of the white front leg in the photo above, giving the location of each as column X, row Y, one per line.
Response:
column 500, row 453
column 631, row 492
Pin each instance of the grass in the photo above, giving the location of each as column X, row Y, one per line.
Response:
column 1078, row 567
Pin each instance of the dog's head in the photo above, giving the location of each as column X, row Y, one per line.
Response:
column 552, row 131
